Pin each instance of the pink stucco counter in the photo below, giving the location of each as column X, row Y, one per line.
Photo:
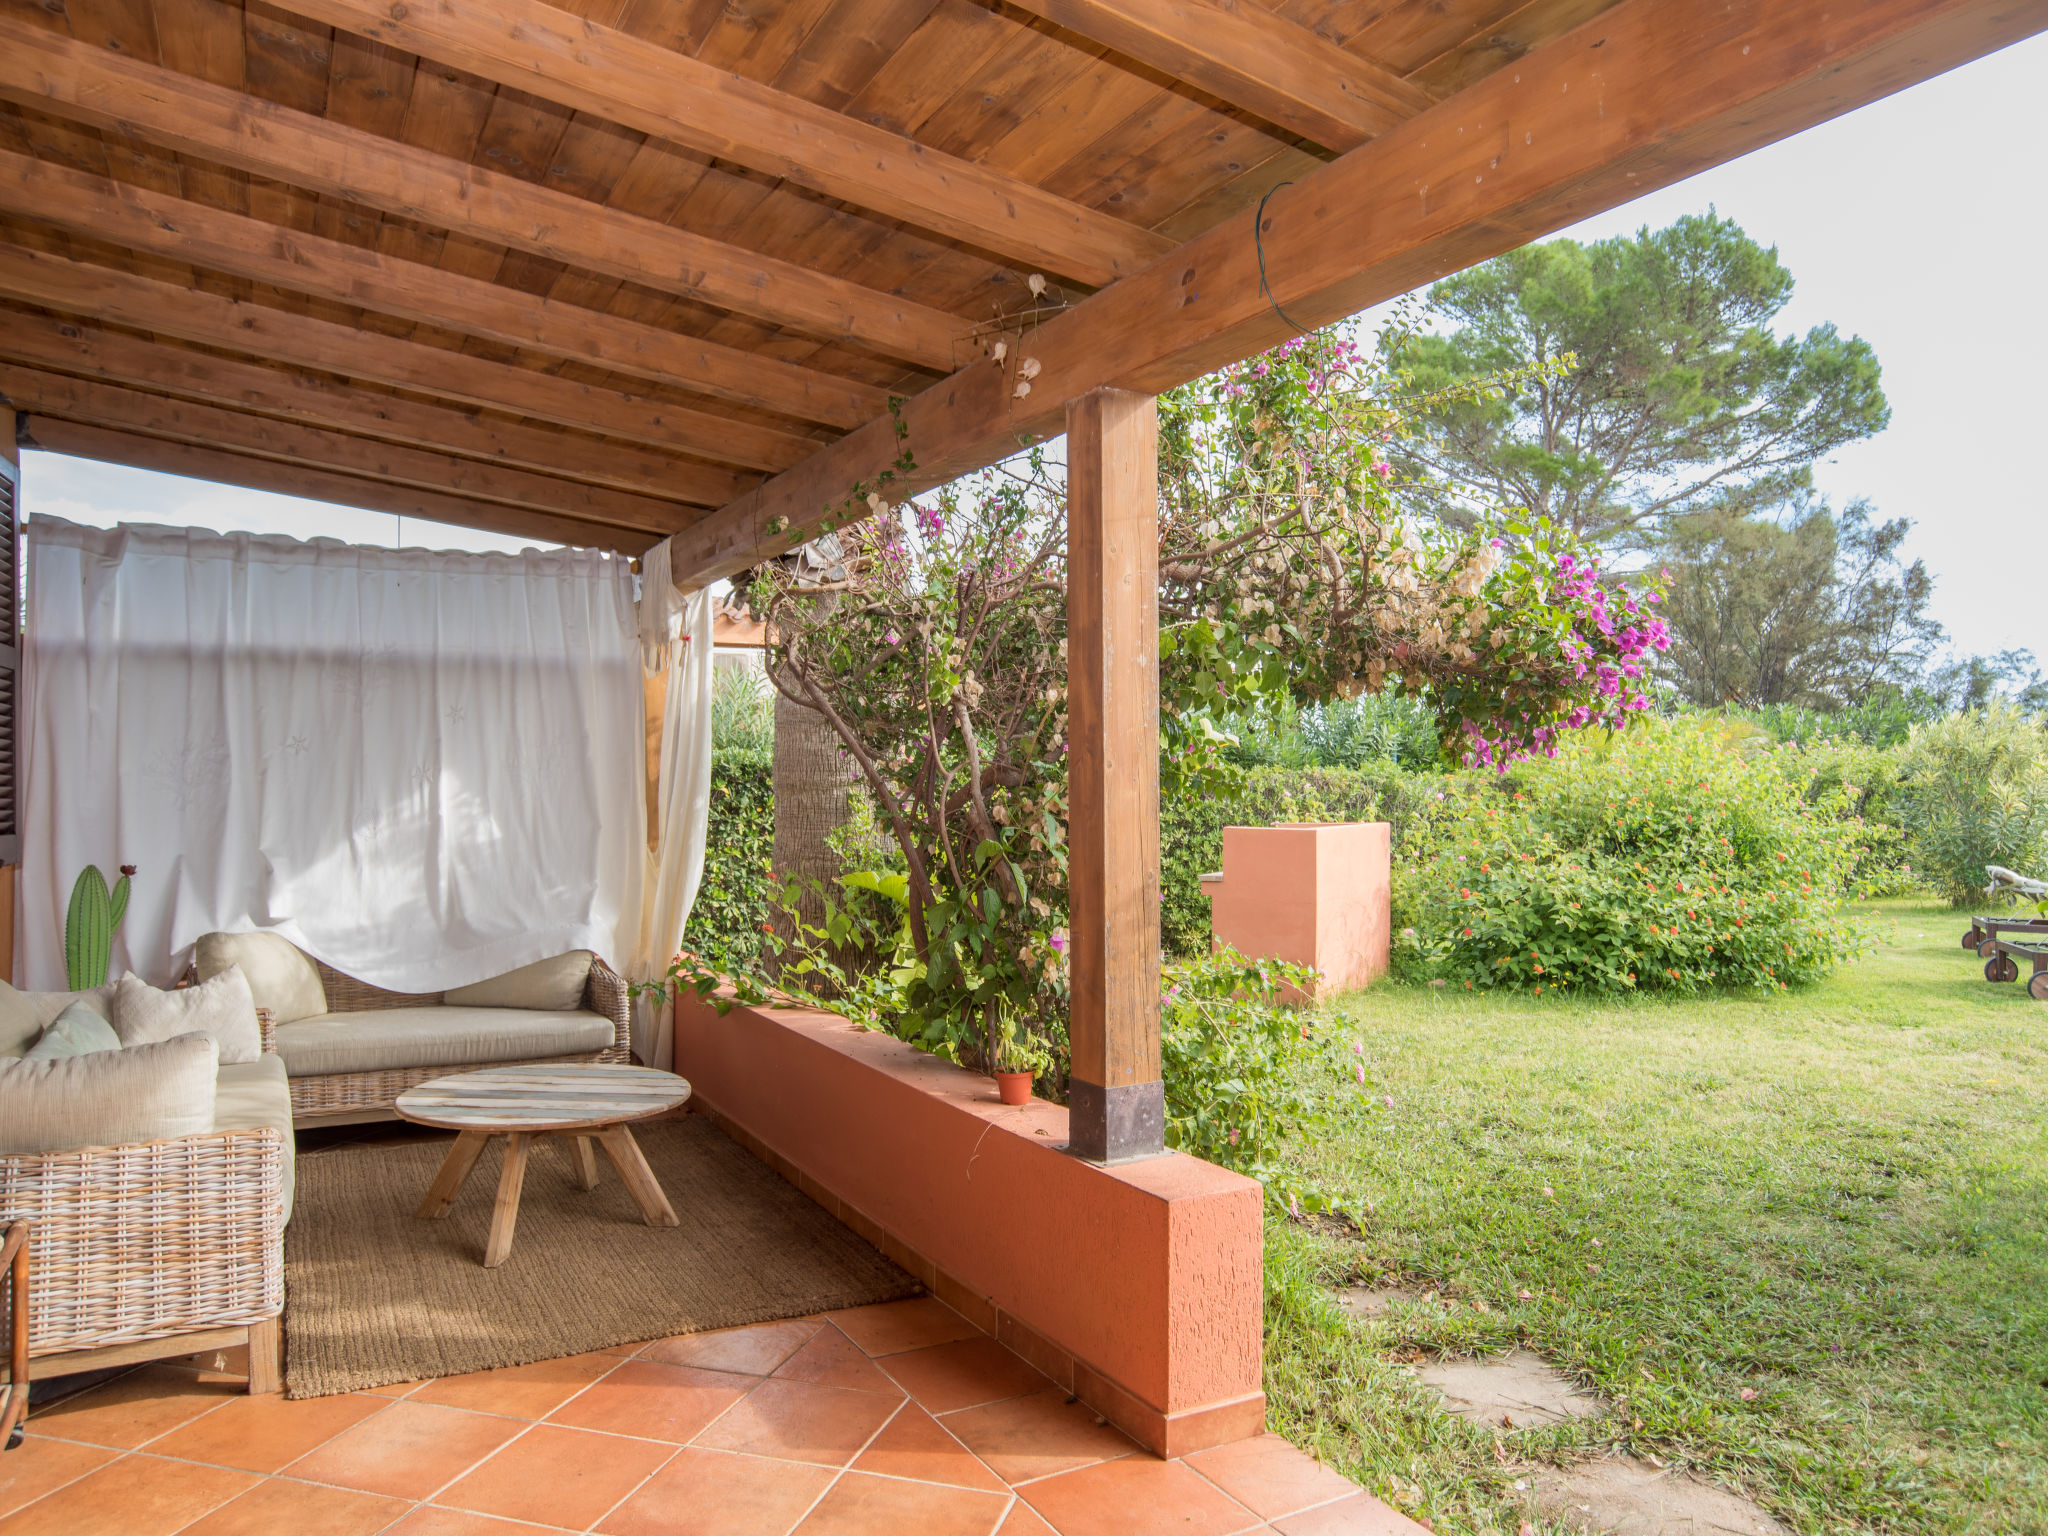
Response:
column 1137, row 1287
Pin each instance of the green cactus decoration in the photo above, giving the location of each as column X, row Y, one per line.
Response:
column 89, row 925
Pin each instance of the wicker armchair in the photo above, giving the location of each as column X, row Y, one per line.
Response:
column 154, row 1248
column 344, row 1098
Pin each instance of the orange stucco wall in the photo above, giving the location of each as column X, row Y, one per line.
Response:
column 1139, row 1287
column 1319, row 895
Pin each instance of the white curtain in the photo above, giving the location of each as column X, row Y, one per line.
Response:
column 683, row 790
column 424, row 768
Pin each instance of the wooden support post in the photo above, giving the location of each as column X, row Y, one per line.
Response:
column 1116, row 1103
column 10, row 670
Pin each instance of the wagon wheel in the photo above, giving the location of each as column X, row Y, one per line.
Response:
column 2037, row 986
column 2001, row 968
column 1987, row 949
column 1974, row 937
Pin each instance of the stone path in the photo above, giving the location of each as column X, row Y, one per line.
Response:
column 1617, row 1497
column 1628, row 1497
column 1509, row 1391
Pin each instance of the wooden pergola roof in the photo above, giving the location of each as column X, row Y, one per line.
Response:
column 614, row 269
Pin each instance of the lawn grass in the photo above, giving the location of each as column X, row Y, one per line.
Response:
column 1836, row 1199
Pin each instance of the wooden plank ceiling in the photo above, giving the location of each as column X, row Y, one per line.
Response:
column 605, row 270
column 590, row 271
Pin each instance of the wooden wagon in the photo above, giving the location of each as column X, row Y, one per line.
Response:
column 2002, row 958
column 1984, row 930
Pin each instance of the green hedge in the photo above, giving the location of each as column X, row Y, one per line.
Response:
column 1191, row 829
column 732, row 903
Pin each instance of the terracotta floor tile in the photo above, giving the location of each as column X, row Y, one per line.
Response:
column 1271, row 1477
column 1024, row 1521
column 915, row 1445
column 890, row 1326
column 754, row 1351
column 711, row 1493
column 1036, row 1436
column 831, row 1359
column 1138, row 1496
column 1359, row 1515
column 518, row 1391
column 802, row 1422
column 38, row 1466
column 396, row 1389
column 623, row 1349
column 278, row 1505
column 963, row 1374
column 134, row 1409
column 137, row 1495
column 652, row 1400
column 407, row 1451
column 432, row 1520
column 557, row 1476
column 266, row 1433
column 859, row 1505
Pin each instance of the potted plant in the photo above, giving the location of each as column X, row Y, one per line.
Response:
column 1016, row 1056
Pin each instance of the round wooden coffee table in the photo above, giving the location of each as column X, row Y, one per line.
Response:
column 586, row 1102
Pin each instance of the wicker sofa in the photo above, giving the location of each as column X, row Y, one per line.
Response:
column 349, row 1048
column 162, row 1247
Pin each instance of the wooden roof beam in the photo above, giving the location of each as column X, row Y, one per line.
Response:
column 211, row 319
column 1645, row 94
column 121, row 213
column 38, row 393
column 563, row 58
column 1241, row 52
column 57, row 74
column 113, row 357
column 198, row 463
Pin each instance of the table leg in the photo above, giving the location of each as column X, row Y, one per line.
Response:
column 624, row 1152
column 454, row 1173
column 505, row 1214
column 583, row 1159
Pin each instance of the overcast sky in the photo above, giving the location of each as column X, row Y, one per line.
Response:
column 1918, row 223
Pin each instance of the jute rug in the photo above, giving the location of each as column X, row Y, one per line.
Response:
column 374, row 1295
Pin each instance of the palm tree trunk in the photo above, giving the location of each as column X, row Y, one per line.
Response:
column 813, row 776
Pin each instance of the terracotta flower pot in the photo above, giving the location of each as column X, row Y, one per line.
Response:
column 1014, row 1087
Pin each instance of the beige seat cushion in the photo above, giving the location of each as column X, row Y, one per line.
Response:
column 219, row 1006
column 386, row 1039
column 282, row 977
column 25, row 1015
column 554, row 985
column 251, row 1095
column 107, row 1098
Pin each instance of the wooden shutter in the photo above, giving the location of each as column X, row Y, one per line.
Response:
column 10, row 656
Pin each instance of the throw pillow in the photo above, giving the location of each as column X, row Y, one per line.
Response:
column 77, row 1031
column 282, row 977
column 107, row 1098
column 19, row 1021
column 220, row 1007
column 555, row 985
column 25, row 1015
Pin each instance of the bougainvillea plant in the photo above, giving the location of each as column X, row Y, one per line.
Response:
column 1287, row 564
column 1286, row 569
